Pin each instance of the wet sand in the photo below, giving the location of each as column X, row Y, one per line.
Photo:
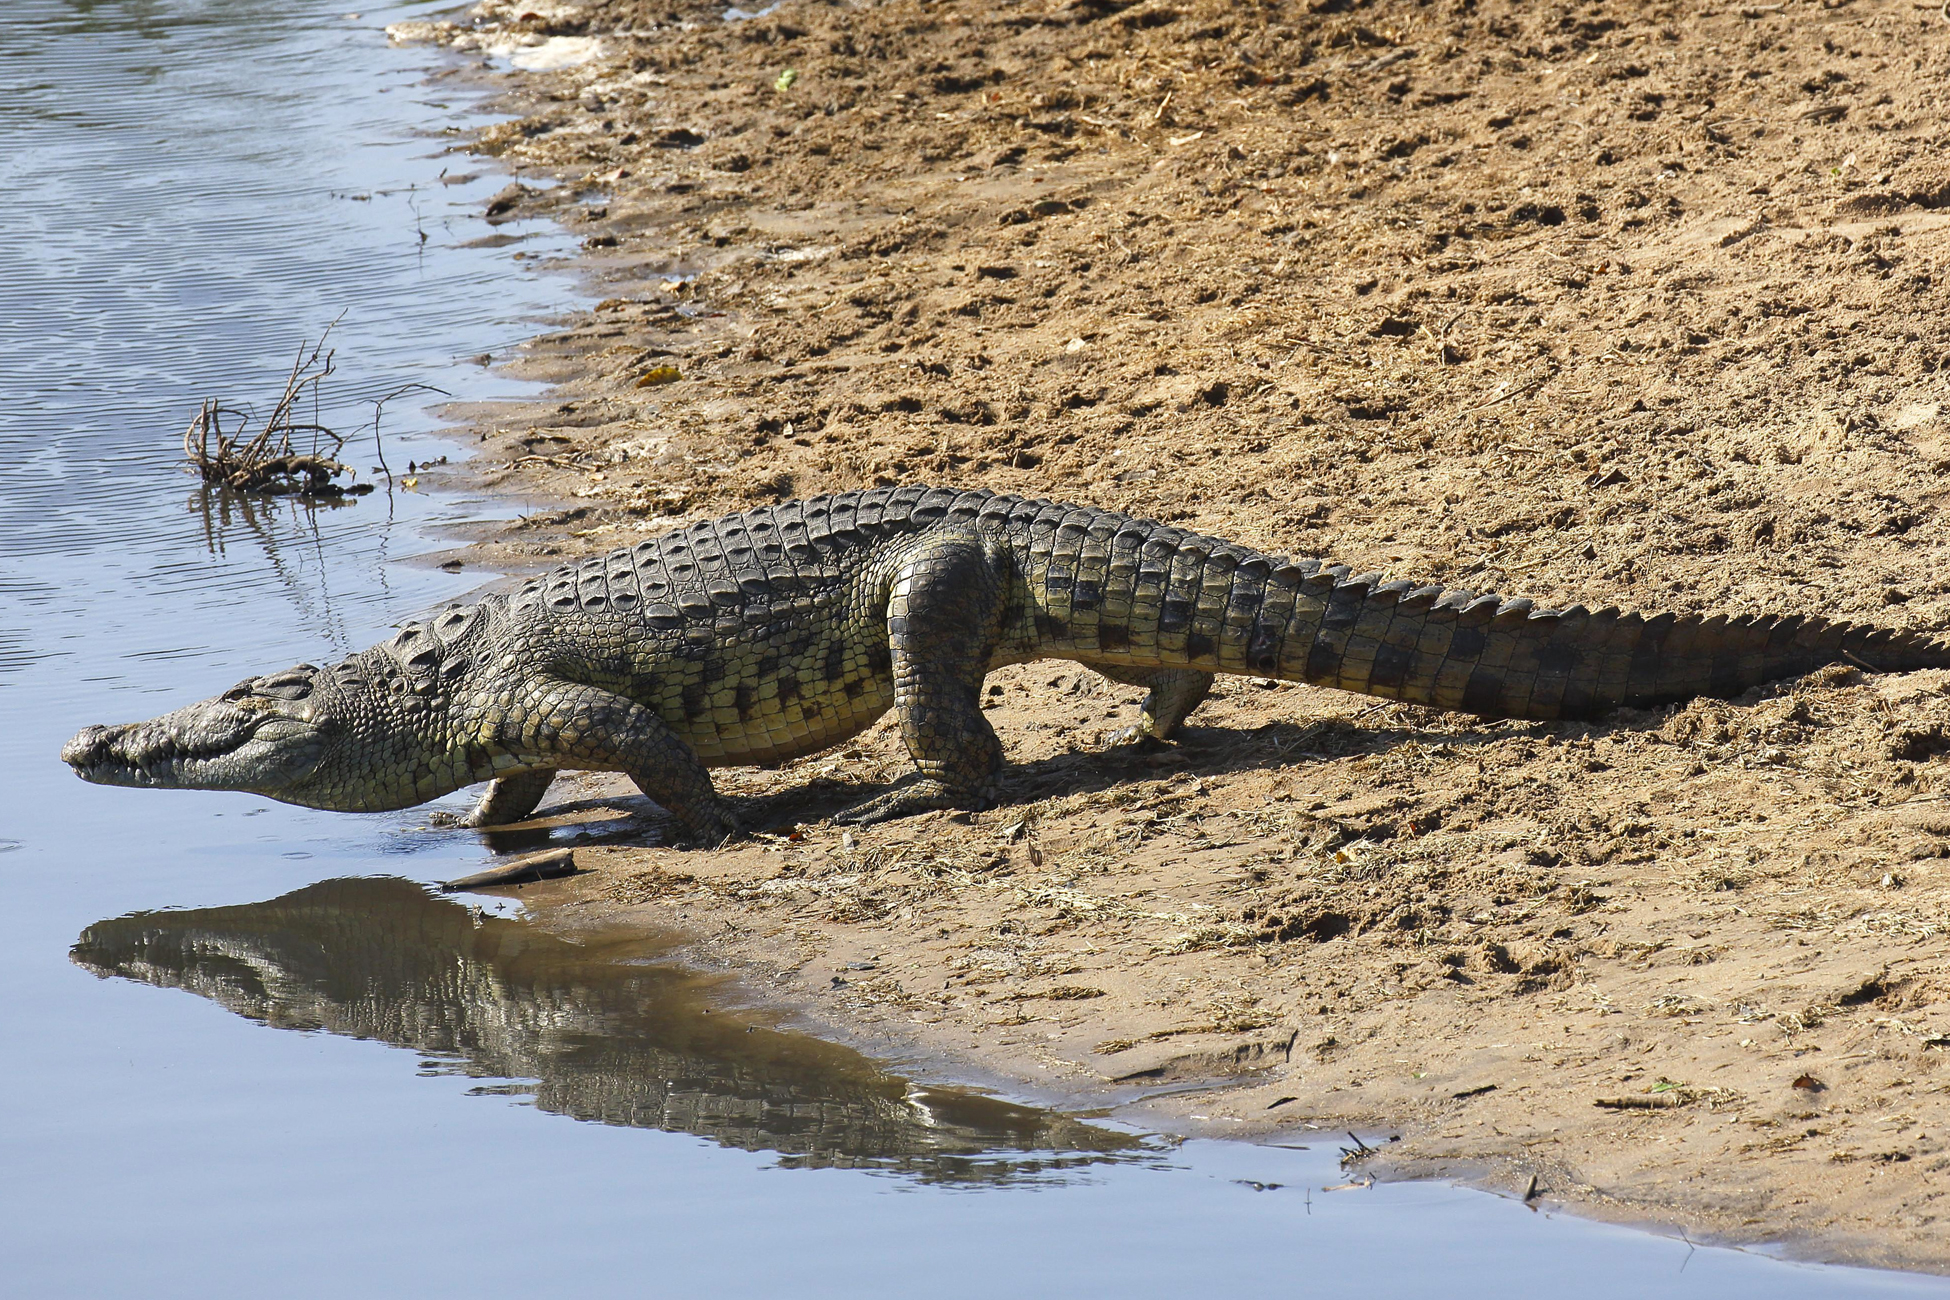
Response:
column 1638, row 307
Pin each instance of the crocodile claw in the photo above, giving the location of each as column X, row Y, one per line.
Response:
column 1135, row 738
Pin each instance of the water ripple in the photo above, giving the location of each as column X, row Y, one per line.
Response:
column 189, row 223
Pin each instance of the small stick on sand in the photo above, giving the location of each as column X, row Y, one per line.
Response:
column 1657, row 1101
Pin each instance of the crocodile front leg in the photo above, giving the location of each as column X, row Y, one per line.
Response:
column 590, row 729
column 509, row 799
column 944, row 618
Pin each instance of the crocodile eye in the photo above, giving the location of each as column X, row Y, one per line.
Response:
column 285, row 686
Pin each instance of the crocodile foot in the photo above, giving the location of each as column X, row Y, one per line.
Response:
column 471, row 820
column 924, row 795
column 705, row 829
column 1136, row 738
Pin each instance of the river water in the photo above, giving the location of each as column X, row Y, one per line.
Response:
column 248, row 1053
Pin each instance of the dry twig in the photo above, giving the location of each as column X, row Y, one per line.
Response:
column 268, row 462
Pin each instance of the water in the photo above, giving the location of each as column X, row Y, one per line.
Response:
column 588, row 1029
column 273, row 1064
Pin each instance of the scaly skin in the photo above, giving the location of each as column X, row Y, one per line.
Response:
column 782, row 631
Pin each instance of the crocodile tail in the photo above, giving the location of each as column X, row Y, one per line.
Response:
column 1112, row 590
column 1509, row 658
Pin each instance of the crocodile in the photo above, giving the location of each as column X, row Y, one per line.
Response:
column 784, row 630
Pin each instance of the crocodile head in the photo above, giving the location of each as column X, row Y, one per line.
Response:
column 317, row 737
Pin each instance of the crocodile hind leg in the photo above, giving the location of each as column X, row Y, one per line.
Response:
column 944, row 615
column 509, row 799
column 1175, row 692
column 590, row 729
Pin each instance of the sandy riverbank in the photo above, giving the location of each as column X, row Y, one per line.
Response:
column 1642, row 307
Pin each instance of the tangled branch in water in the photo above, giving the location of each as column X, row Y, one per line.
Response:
column 268, row 462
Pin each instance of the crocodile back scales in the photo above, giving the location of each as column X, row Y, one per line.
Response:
column 762, row 635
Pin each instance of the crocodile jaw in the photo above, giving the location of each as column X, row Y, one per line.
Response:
column 215, row 745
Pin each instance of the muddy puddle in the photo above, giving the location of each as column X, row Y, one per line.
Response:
column 248, row 1051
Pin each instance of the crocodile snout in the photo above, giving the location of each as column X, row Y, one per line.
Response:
column 90, row 747
column 135, row 753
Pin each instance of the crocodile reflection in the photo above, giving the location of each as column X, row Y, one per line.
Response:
column 589, row 1031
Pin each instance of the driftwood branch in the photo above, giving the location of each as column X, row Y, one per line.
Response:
column 223, row 449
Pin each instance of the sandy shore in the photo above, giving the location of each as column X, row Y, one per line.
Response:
column 1644, row 307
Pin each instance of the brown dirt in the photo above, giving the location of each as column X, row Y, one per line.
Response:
column 1635, row 305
